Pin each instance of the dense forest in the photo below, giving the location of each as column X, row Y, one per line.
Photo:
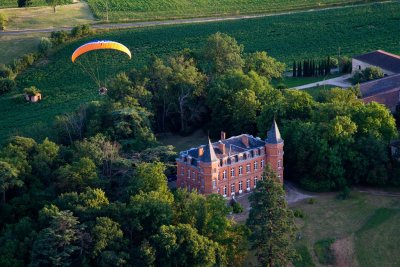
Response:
column 96, row 194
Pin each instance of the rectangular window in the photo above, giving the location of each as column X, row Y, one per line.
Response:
column 225, row 190
column 224, row 174
column 240, row 185
column 248, row 167
column 240, row 170
column 232, row 172
column 232, row 189
column 255, row 182
column 193, row 175
column 262, row 163
column 248, row 183
column 189, row 174
column 279, row 163
column 182, row 171
column 255, row 165
column 214, row 183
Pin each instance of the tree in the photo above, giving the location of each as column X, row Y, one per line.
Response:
column 264, row 65
column 294, row 69
column 368, row 74
column 76, row 176
column 24, row 3
column 53, row 4
column 186, row 82
column 106, row 234
column 60, row 244
column 223, row 53
column 8, row 178
column 271, row 222
column 3, row 21
column 45, row 45
column 181, row 245
column 148, row 177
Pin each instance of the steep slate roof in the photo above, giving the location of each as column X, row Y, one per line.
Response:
column 382, row 59
column 233, row 146
column 380, row 86
column 274, row 136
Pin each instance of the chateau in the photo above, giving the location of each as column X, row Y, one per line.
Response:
column 230, row 166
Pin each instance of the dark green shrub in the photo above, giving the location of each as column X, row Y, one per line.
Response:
column 298, row 213
column 345, row 65
column 6, row 85
column 368, row 74
column 81, row 30
column 324, row 252
column 5, row 71
column 304, row 259
column 45, row 45
column 237, row 208
column 311, row 201
column 59, row 37
column 344, row 194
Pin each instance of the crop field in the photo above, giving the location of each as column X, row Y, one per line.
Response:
column 119, row 10
column 288, row 37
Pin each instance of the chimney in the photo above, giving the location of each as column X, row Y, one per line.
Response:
column 223, row 135
column 201, row 151
column 245, row 140
column 221, row 147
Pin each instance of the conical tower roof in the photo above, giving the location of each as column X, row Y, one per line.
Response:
column 209, row 153
column 274, row 136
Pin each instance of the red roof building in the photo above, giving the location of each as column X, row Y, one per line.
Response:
column 230, row 166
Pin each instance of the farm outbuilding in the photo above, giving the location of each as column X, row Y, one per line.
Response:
column 389, row 63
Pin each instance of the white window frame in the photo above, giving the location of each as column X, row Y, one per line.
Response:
column 232, row 189
column 182, row 171
column 255, row 181
column 262, row 163
column 189, row 174
column 214, row 183
column 248, row 184
column 232, row 172
column 279, row 163
column 256, row 165
column 224, row 174
column 240, row 187
column 248, row 167
column 240, row 170
column 225, row 191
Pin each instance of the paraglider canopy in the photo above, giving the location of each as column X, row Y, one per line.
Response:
column 100, row 59
column 100, row 45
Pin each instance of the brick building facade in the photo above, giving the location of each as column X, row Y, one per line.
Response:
column 230, row 166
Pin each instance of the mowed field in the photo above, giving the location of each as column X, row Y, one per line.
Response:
column 364, row 230
column 121, row 10
column 287, row 37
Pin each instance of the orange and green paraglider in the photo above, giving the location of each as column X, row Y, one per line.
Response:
column 99, row 59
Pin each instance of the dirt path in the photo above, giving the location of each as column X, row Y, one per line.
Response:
column 186, row 21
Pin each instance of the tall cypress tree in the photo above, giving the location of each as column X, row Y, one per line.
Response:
column 299, row 73
column 271, row 222
column 294, row 68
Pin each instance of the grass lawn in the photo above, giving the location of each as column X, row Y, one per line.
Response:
column 291, row 82
column 368, row 224
column 287, row 38
column 13, row 46
column 182, row 143
column 119, row 10
column 45, row 18
column 315, row 92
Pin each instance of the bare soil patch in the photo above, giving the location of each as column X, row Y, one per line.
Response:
column 344, row 252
